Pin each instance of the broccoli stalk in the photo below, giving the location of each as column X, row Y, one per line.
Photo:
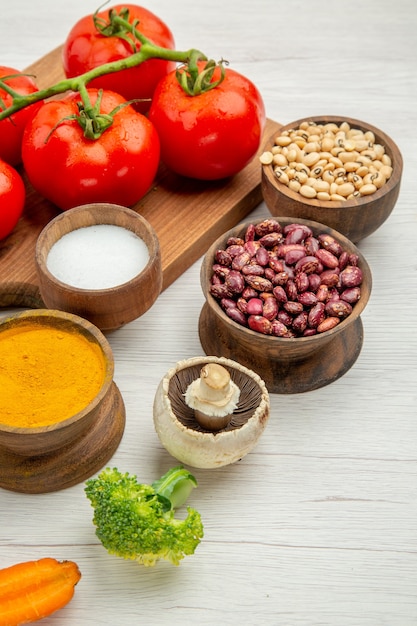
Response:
column 137, row 521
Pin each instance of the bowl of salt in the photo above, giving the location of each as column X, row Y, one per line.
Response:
column 100, row 261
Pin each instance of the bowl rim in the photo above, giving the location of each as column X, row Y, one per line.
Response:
column 285, row 341
column 42, row 249
column 393, row 150
column 87, row 329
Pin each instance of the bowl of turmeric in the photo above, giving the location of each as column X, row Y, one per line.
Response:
column 61, row 414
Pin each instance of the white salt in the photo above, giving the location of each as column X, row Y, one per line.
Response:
column 97, row 257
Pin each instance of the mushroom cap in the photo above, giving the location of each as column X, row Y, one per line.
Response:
column 185, row 439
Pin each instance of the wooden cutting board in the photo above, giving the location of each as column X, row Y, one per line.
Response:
column 186, row 215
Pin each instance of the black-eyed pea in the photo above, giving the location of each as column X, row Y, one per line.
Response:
column 266, row 158
column 276, row 150
column 386, row 160
column 331, row 127
column 294, row 185
column 351, row 166
column 280, row 160
column 333, row 188
column 349, row 145
column 323, row 195
column 282, row 140
column 316, row 171
column 379, row 150
column 328, row 176
column 311, row 158
column 336, row 150
column 362, row 170
column 301, row 176
column 321, row 185
column 361, row 144
column 307, row 191
column 346, row 156
column 327, row 143
column 337, row 162
column 311, row 146
column 282, row 176
column 367, row 190
column 345, row 127
column 292, row 154
column 345, row 189
column 336, row 196
column 369, row 136
column 357, row 181
column 386, row 170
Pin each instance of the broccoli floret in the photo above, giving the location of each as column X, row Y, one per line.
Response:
column 136, row 521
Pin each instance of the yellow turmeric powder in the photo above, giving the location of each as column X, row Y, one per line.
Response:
column 46, row 374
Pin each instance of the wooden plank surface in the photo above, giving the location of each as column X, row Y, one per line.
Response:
column 187, row 215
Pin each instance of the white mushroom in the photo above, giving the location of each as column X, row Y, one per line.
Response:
column 189, row 442
column 213, row 396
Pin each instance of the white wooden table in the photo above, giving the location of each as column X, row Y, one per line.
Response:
column 317, row 526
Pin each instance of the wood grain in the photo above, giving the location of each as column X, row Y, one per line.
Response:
column 187, row 215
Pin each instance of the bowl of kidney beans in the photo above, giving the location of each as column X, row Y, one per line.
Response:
column 284, row 296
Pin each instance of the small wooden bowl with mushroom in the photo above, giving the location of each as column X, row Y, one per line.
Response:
column 341, row 172
column 210, row 411
column 99, row 261
column 61, row 414
column 284, row 297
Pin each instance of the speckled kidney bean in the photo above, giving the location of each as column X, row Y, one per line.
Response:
column 280, row 294
column 286, row 282
column 234, row 249
column 301, row 282
column 267, row 226
column 300, row 322
column 262, row 256
column 240, row 260
column 307, row 298
column 235, row 281
column 327, row 324
column 326, row 258
column 260, row 324
column 308, row 264
column 351, row 294
column 254, row 269
column 330, row 278
column 258, row 282
column 270, row 308
column 351, row 276
column 338, row 308
column 316, row 315
column 237, row 316
column 254, row 306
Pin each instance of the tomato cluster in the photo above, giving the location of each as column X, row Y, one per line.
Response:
column 208, row 136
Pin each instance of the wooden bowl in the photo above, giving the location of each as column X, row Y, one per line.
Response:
column 355, row 218
column 108, row 308
column 42, row 458
column 287, row 365
column 182, row 434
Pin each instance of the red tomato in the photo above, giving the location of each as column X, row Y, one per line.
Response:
column 212, row 135
column 85, row 48
column 68, row 169
column 12, row 198
column 11, row 128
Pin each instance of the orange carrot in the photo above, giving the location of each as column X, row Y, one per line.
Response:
column 35, row 589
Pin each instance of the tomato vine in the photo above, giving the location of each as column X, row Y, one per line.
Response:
column 192, row 79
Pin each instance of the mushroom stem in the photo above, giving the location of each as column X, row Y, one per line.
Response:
column 213, row 396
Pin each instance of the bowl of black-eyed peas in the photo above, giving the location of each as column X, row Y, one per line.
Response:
column 340, row 172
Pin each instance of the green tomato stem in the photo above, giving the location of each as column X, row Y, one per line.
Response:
column 148, row 50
